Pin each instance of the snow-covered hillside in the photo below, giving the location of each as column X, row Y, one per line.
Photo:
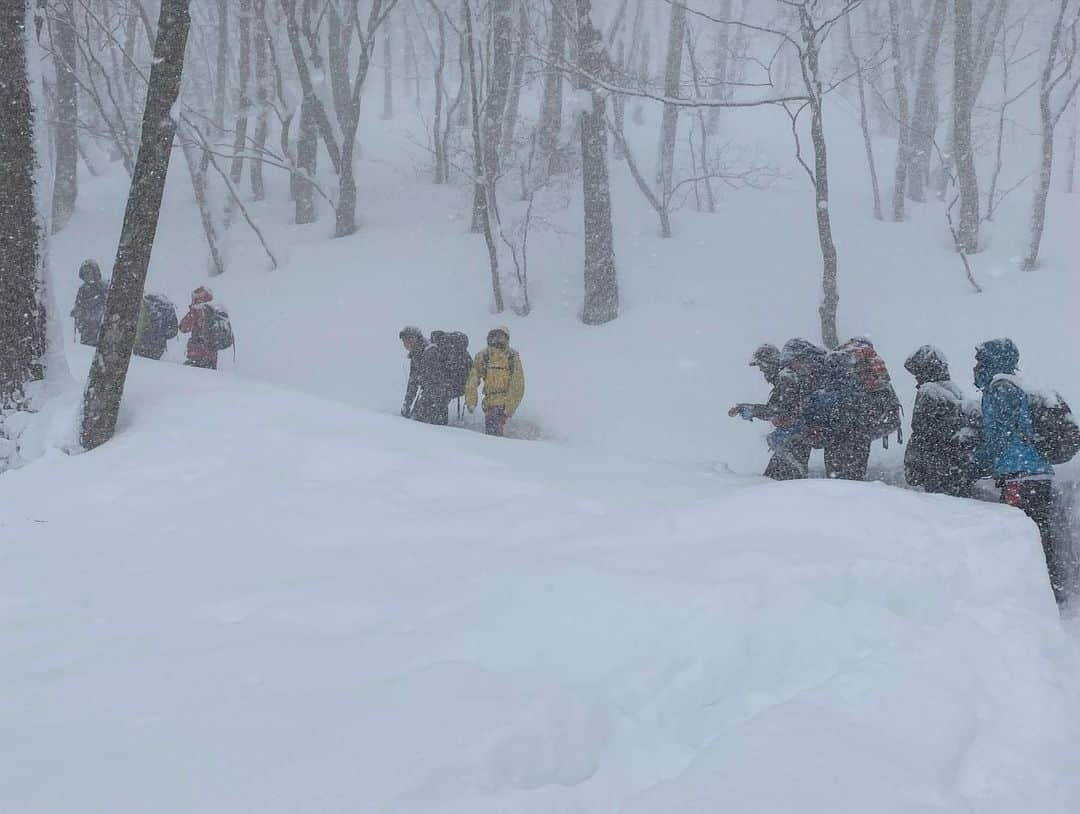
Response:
column 258, row 601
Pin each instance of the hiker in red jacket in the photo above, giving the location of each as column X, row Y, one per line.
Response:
column 200, row 353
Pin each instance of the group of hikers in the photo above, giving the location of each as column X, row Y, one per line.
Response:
column 207, row 325
column 842, row 401
column 442, row 370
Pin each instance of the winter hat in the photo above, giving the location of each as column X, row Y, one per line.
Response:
column 766, row 355
column 411, row 332
column 998, row 357
column 90, row 271
column 928, row 364
column 201, row 295
column 493, row 337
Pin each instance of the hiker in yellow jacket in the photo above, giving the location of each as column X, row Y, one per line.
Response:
column 498, row 366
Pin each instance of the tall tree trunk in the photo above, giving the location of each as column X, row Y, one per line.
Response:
column 924, row 114
column 221, row 78
column 963, row 143
column 601, row 280
column 551, row 107
column 263, row 92
column 105, row 385
column 903, row 151
column 388, row 73
column 517, row 78
column 499, row 71
column 1074, row 132
column 669, row 125
column 65, row 53
column 307, row 153
column 484, row 215
column 206, row 212
column 22, row 311
column 441, row 173
column 243, row 98
column 864, row 118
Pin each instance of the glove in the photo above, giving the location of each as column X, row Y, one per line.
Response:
column 746, row 412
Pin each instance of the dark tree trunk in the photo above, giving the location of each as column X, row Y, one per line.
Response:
column 263, row 85
column 963, row 142
column 551, row 107
column 442, row 174
column 65, row 52
column 672, row 87
column 243, row 98
column 105, row 385
column 307, row 153
column 903, row 115
column 924, row 114
column 601, row 280
column 494, row 103
column 22, row 312
column 517, row 78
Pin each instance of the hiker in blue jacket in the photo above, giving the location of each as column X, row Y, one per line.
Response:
column 1008, row 451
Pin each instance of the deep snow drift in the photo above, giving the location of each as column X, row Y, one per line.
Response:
column 279, row 604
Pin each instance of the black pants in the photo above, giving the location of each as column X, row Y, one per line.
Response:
column 1036, row 499
column 790, row 461
column 203, row 364
column 432, row 410
column 495, row 421
column 847, row 457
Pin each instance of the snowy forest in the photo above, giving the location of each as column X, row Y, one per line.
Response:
column 621, row 257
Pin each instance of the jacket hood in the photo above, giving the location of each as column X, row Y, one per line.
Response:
column 201, row 295
column 928, row 364
column 798, row 350
column 766, row 356
column 493, row 337
column 998, row 357
column 90, row 271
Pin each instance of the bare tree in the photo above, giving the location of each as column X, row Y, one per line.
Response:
column 963, row 146
column 924, row 114
column 672, row 86
column 105, row 385
column 1057, row 89
column 601, row 280
column 66, row 134
column 551, row 106
column 22, row 306
column 903, row 150
column 499, row 71
column 864, row 118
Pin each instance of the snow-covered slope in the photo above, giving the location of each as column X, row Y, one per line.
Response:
column 253, row 600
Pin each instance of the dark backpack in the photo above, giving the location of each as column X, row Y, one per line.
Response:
column 1057, row 435
column 456, row 362
column 857, row 393
column 219, row 333
column 163, row 323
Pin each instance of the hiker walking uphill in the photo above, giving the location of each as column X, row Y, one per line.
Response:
column 412, row 338
column 1021, row 434
column 210, row 330
column 89, row 309
column 157, row 325
column 498, row 368
column 801, row 369
column 789, row 461
column 944, row 430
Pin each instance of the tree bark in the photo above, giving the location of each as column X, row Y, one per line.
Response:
column 903, row 151
column 388, row 73
column 263, row 92
column 924, row 114
column 307, row 153
column 22, row 311
column 500, row 67
column 601, row 280
column 66, row 156
column 517, row 78
column 243, row 99
column 551, row 107
column 484, row 215
column 864, row 119
column 963, row 144
column 669, row 125
column 442, row 175
column 105, row 385
column 206, row 212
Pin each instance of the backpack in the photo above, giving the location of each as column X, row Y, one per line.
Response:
column 857, row 393
column 219, row 333
column 456, row 362
column 163, row 324
column 1057, row 435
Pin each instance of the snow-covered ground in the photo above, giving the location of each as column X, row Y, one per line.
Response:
column 269, row 593
column 253, row 600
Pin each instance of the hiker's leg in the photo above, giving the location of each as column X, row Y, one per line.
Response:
column 495, row 421
column 1036, row 499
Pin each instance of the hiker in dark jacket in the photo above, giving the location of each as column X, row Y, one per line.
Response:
column 433, row 404
column 89, row 309
column 944, row 431
column 791, row 442
column 412, row 338
column 200, row 350
column 1008, row 448
column 847, row 440
column 767, row 359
